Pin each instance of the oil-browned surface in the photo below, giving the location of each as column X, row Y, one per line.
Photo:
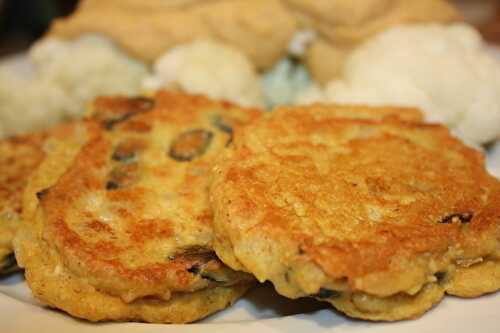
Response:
column 19, row 158
column 381, row 211
column 128, row 221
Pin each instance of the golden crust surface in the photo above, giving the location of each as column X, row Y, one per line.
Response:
column 126, row 216
column 55, row 285
column 20, row 156
column 368, row 214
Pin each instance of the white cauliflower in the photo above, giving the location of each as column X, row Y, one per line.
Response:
column 445, row 70
column 86, row 68
column 26, row 106
column 208, row 68
column 67, row 75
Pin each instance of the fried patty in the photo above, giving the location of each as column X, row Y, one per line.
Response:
column 379, row 216
column 124, row 225
column 19, row 156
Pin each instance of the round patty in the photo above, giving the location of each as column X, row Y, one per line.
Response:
column 377, row 215
column 19, row 156
column 126, row 228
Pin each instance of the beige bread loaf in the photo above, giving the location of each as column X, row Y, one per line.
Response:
column 261, row 29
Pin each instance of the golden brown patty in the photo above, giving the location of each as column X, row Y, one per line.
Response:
column 19, row 156
column 380, row 217
column 126, row 230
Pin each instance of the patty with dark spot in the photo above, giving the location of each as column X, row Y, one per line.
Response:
column 19, row 157
column 224, row 127
column 368, row 209
column 190, row 145
column 127, row 232
column 111, row 112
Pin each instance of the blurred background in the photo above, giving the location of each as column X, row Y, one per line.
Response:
column 23, row 21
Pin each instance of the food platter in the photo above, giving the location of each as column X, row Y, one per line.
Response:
column 261, row 310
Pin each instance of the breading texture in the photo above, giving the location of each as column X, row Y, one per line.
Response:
column 377, row 215
column 19, row 156
column 123, row 220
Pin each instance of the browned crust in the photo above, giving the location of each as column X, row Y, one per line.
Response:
column 113, row 256
column 54, row 285
column 19, row 158
column 366, row 204
column 358, row 112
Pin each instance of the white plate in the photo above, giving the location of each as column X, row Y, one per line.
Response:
column 262, row 310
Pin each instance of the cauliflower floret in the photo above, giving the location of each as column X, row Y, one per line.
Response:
column 445, row 70
column 67, row 75
column 26, row 106
column 208, row 68
column 86, row 68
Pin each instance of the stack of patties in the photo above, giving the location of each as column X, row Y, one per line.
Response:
column 19, row 158
column 123, row 227
column 368, row 209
